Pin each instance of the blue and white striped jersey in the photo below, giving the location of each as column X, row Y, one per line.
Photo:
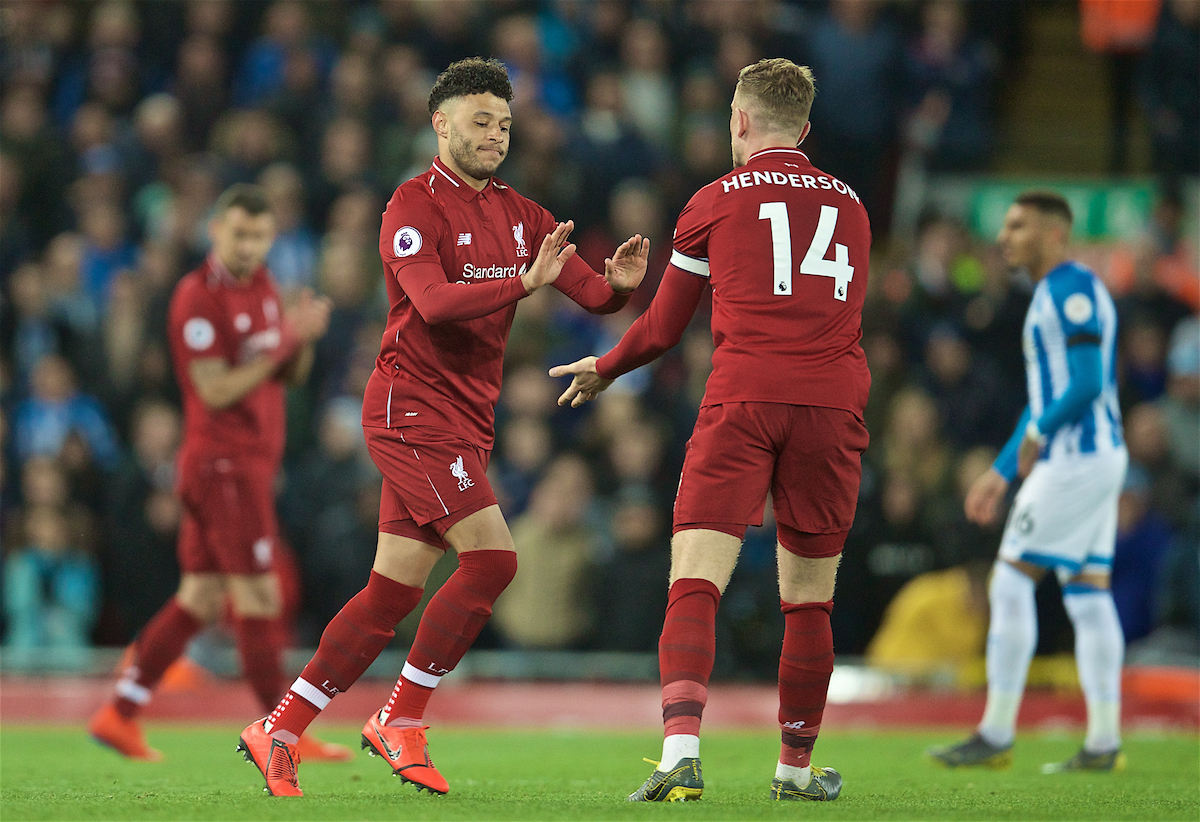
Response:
column 1071, row 306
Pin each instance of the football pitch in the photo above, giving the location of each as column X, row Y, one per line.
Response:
column 58, row 773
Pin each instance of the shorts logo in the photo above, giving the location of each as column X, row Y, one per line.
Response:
column 519, row 236
column 1025, row 523
column 460, row 474
column 406, row 241
column 262, row 552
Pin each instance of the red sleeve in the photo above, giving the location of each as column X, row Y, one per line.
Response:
column 409, row 238
column 439, row 301
column 588, row 289
column 578, row 280
column 660, row 328
column 199, row 328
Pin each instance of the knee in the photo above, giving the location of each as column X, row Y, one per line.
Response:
column 495, row 569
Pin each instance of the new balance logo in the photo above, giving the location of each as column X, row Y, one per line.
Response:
column 464, row 238
column 795, row 726
column 460, row 474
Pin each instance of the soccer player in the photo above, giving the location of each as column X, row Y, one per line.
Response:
column 460, row 249
column 235, row 349
column 1069, row 448
column 785, row 249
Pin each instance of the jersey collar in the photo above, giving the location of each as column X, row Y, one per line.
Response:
column 440, row 177
column 779, row 150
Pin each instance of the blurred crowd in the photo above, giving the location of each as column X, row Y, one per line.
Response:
column 120, row 123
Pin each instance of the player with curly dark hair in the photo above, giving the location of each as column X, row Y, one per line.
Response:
column 460, row 249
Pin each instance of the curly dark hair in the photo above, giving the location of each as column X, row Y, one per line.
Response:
column 475, row 75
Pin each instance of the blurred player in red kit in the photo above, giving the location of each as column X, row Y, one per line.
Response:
column 235, row 349
column 784, row 248
column 460, row 248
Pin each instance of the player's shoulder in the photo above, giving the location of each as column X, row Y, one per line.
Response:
column 1071, row 277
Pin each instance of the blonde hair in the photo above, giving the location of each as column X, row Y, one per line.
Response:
column 780, row 92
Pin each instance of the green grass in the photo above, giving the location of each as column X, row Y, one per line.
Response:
column 56, row 773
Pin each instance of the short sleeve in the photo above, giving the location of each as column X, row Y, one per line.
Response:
column 1074, row 298
column 689, row 246
column 200, row 328
column 411, row 231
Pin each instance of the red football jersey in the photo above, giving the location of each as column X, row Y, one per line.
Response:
column 212, row 314
column 785, row 249
column 454, row 257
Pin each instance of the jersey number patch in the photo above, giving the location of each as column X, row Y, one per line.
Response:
column 814, row 261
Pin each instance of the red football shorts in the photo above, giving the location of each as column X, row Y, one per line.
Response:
column 430, row 481
column 229, row 523
column 808, row 457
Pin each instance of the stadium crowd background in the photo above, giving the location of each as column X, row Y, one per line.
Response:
column 120, row 123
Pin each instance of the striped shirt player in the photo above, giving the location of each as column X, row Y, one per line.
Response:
column 1065, row 515
column 1069, row 447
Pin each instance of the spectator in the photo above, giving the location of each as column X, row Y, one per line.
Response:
column 293, row 257
column 548, row 604
column 1170, row 91
column 1144, row 539
column 55, row 410
column 948, row 77
column 143, row 514
column 51, row 595
column 855, row 51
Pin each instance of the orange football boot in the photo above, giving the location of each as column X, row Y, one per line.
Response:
column 277, row 761
column 313, row 749
column 122, row 734
column 406, row 750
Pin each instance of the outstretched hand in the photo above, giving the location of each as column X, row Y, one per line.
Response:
column 625, row 269
column 551, row 258
column 586, row 385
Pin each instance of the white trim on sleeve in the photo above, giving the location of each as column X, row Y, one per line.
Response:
column 689, row 264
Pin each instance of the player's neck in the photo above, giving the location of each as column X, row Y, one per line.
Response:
column 754, row 146
column 1047, row 264
column 449, row 163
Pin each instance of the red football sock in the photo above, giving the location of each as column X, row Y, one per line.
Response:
column 350, row 643
column 804, row 670
column 452, row 620
column 159, row 644
column 260, row 644
column 685, row 653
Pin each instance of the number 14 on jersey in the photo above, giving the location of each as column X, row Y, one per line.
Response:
column 814, row 261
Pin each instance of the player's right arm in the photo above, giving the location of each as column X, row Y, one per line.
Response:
column 208, row 350
column 408, row 246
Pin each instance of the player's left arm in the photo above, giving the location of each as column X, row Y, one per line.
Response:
column 608, row 292
column 654, row 333
column 1085, row 373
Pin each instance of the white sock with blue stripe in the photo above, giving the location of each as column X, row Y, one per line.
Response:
column 1099, row 653
column 1012, row 639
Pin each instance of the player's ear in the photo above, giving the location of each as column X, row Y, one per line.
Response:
column 804, row 131
column 440, row 123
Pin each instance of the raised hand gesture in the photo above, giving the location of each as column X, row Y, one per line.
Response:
column 551, row 258
column 625, row 269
